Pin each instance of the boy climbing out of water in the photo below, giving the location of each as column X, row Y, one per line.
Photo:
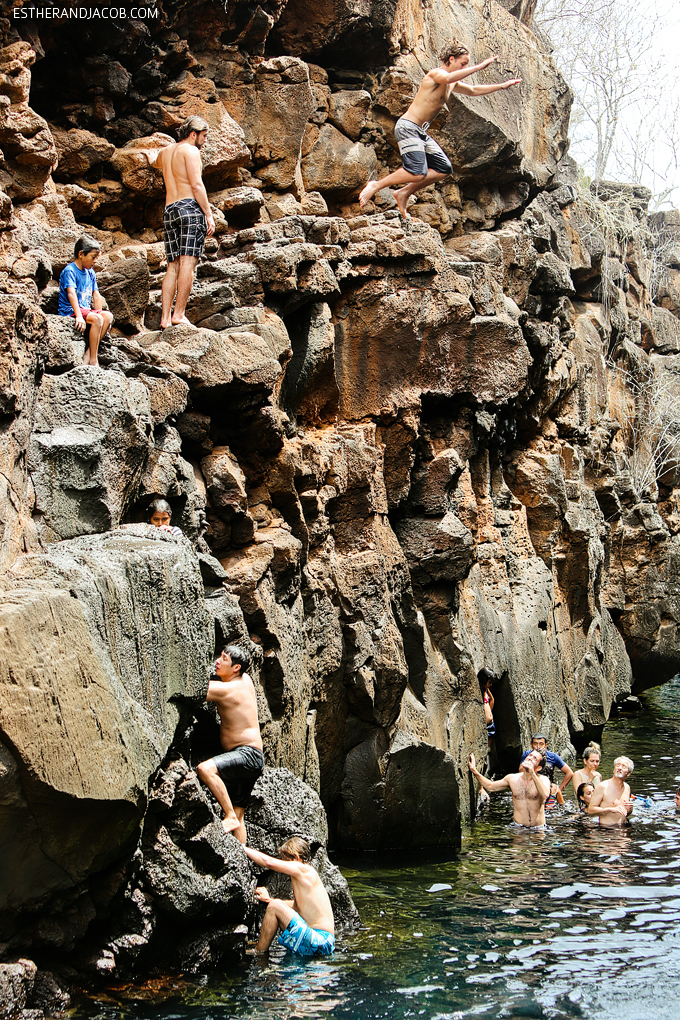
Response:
column 306, row 922
column 79, row 296
column 424, row 162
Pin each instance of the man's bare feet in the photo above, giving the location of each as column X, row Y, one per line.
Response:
column 182, row 322
column 402, row 202
column 368, row 193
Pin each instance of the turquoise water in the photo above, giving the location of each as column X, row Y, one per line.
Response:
column 571, row 922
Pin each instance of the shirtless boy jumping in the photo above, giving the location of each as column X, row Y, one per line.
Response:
column 187, row 219
column 529, row 789
column 425, row 162
column 611, row 801
column 306, row 922
column 231, row 776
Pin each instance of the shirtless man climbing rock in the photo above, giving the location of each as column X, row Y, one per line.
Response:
column 611, row 801
column 529, row 789
column 231, row 776
column 425, row 162
column 187, row 219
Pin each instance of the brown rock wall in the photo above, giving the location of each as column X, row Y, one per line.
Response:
column 403, row 450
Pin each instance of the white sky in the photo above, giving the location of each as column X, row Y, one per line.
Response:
column 666, row 16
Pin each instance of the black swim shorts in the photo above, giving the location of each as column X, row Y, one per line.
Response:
column 418, row 151
column 184, row 229
column 239, row 770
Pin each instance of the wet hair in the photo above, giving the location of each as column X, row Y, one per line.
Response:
column 454, row 49
column 294, row 847
column 239, row 657
column 159, row 506
column 196, row 124
column 579, row 793
column 628, row 761
column 85, row 244
column 539, row 736
column 590, row 750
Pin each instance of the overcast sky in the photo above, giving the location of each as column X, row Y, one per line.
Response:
column 665, row 16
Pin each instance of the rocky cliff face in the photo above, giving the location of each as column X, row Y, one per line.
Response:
column 402, row 450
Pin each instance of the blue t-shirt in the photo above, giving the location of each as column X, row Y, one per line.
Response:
column 85, row 283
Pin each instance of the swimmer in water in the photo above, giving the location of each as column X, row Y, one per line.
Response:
column 589, row 773
column 584, row 795
column 677, row 799
column 529, row 789
column 611, row 801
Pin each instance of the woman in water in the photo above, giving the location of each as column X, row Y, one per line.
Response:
column 583, row 795
column 589, row 773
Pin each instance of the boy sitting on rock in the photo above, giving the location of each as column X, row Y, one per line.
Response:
column 79, row 296
column 306, row 922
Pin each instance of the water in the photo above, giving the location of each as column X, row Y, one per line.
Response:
column 575, row 921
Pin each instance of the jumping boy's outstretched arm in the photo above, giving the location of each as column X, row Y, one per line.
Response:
column 463, row 89
column 443, row 77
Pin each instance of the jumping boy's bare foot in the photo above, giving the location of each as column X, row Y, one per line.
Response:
column 367, row 194
column 402, row 202
column 182, row 322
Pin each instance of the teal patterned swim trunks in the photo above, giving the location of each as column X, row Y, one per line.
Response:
column 306, row 941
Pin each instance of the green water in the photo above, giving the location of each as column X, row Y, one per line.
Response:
column 574, row 921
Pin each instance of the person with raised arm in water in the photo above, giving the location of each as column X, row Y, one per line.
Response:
column 306, row 922
column 231, row 776
column 529, row 789
column 425, row 162
column 611, row 801
column 187, row 219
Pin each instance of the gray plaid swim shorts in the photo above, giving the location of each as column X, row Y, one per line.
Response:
column 184, row 229
column 419, row 152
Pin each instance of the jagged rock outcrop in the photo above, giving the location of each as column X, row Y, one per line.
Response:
column 402, row 450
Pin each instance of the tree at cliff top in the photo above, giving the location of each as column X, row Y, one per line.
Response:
column 624, row 119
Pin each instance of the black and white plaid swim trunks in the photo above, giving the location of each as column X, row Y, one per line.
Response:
column 418, row 151
column 184, row 229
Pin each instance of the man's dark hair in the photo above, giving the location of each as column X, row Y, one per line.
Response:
column 540, row 736
column 484, row 675
column 239, row 657
column 159, row 506
column 454, row 49
column 294, row 847
column 85, row 244
column 196, row 124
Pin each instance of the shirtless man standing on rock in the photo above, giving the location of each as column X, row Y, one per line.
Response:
column 231, row 776
column 187, row 219
column 425, row 162
column 611, row 800
column 529, row 789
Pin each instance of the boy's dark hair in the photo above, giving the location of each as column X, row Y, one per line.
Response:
column 85, row 244
column 454, row 49
column 239, row 657
column 159, row 506
column 196, row 124
column 294, row 847
column 485, row 674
